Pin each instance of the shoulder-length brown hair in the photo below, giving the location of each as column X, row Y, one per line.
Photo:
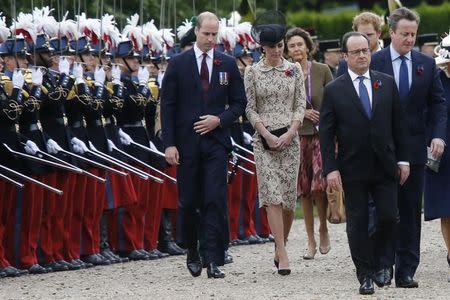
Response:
column 297, row 31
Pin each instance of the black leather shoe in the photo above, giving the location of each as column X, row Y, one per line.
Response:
column 213, row 271
column 254, row 239
column 366, row 287
column 150, row 254
column 2, row 274
column 69, row 265
column 268, row 238
column 55, row 267
column 228, row 258
column 159, row 253
column 115, row 256
column 37, row 269
column 10, row 271
column 194, row 263
column 406, row 282
column 86, row 265
column 136, row 255
column 77, row 263
column 96, row 260
column 239, row 242
column 171, row 248
column 111, row 258
column 284, row 272
column 104, row 259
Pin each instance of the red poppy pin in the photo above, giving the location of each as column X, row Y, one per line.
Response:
column 217, row 61
column 420, row 70
column 289, row 72
column 377, row 84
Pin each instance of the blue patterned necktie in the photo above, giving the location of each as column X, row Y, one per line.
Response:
column 364, row 97
column 403, row 81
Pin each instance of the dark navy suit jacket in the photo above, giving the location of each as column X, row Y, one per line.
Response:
column 182, row 100
column 426, row 110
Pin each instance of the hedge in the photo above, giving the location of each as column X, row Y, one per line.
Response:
column 433, row 19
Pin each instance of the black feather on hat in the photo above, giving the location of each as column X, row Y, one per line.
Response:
column 269, row 28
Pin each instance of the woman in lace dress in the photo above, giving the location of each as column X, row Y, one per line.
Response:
column 276, row 99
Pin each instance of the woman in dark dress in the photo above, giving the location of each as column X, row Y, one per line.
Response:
column 437, row 184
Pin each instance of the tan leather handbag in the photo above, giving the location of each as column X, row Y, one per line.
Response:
column 336, row 206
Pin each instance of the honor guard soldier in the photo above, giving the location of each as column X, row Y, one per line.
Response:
column 119, row 189
column 27, row 207
column 331, row 52
column 427, row 42
column 135, row 93
column 11, row 108
column 55, row 230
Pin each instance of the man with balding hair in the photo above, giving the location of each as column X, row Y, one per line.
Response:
column 202, row 95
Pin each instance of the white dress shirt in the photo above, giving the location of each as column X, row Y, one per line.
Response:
column 366, row 82
column 396, row 62
column 209, row 59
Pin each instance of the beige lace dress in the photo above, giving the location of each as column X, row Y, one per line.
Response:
column 276, row 97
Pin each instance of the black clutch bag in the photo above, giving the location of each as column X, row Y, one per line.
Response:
column 277, row 132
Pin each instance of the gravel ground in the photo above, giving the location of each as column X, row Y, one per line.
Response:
column 252, row 275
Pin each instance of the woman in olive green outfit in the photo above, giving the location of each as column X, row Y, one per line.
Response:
column 311, row 183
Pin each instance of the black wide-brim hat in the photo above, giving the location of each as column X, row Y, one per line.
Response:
column 269, row 28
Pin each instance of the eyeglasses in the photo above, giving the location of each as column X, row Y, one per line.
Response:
column 364, row 51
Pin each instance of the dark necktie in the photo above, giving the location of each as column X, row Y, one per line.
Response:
column 204, row 75
column 403, row 81
column 364, row 97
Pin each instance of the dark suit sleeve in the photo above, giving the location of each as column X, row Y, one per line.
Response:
column 327, row 132
column 437, row 108
column 342, row 68
column 168, row 104
column 236, row 98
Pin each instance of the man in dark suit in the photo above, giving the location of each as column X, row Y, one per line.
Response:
column 202, row 95
column 361, row 110
column 421, row 96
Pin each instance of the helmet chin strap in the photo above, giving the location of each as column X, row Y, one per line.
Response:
column 44, row 61
column 126, row 63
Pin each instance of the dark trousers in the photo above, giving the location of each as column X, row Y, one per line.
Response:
column 364, row 254
column 202, row 206
column 407, row 248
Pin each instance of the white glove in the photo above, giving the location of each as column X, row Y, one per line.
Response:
column 79, row 146
column 152, row 146
column 92, row 146
column 143, row 75
column 111, row 146
column 64, row 65
column 78, row 73
column 18, row 79
column 116, row 73
column 53, row 147
column 36, row 76
column 99, row 75
column 248, row 140
column 31, row 147
column 125, row 139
